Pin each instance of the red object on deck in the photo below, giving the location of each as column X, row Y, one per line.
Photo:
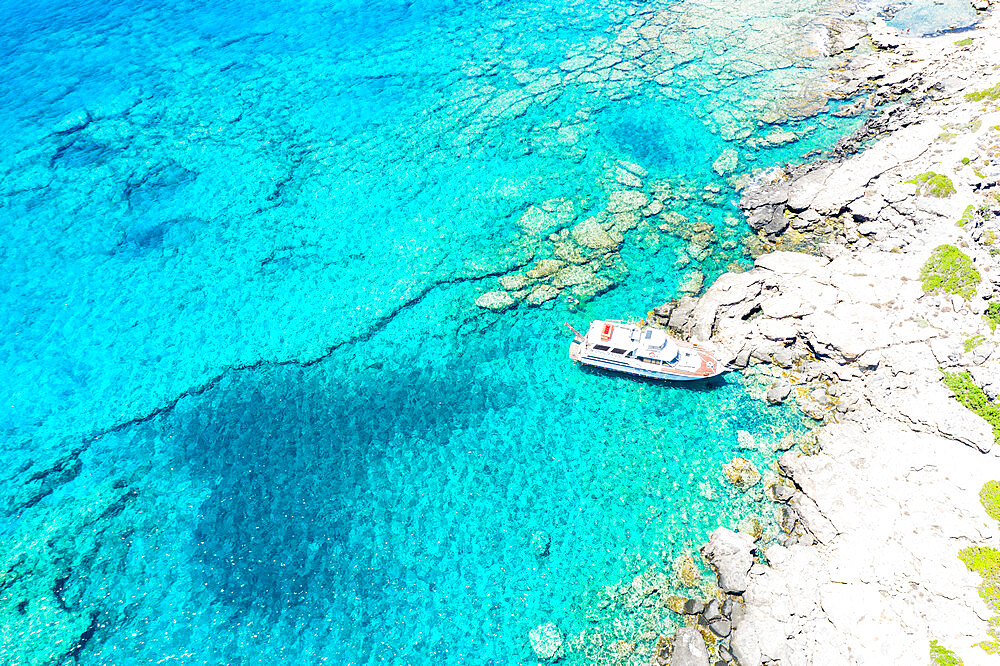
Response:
column 606, row 333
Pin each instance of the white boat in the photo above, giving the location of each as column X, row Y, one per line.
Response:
column 643, row 351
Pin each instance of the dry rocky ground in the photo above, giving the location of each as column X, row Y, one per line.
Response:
column 877, row 514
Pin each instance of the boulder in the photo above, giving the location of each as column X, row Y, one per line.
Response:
column 778, row 391
column 769, row 219
column 784, row 358
column 742, row 359
column 721, row 627
column 764, row 194
column 713, row 611
column 689, row 648
column 805, row 188
column 694, row 606
column 682, row 313
column 745, row 646
column 546, row 640
column 741, row 473
column 782, row 493
column 731, row 554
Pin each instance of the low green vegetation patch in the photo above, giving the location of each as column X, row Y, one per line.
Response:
column 970, row 211
column 985, row 561
column 933, row 184
column 972, row 397
column 964, row 42
column 973, row 342
column 942, row 656
column 950, row 270
column 990, row 93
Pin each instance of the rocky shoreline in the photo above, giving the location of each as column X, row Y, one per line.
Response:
column 848, row 327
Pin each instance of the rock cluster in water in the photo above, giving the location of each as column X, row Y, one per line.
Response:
column 577, row 255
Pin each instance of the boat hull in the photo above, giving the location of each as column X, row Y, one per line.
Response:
column 625, row 368
column 702, row 364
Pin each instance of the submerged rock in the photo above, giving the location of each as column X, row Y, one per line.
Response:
column 692, row 283
column 726, row 162
column 542, row 294
column 624, row 201
column 686, row 571
column 741, row 473
column 541, row 543
column 590, row 234
column 513, row 282
column 545, row 268
column 546, row 640
column 497, row 301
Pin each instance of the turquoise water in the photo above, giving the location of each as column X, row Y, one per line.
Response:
column 251, row 411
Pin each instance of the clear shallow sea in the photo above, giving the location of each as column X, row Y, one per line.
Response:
column 250, row 410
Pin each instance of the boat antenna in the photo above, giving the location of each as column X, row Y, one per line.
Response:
column 574, row 330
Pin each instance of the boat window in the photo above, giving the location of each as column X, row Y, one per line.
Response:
column 617, row 351
column 601, row 347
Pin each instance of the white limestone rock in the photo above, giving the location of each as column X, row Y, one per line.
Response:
column 689, row 648
column 731, row 554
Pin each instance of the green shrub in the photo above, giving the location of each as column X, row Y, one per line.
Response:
column 965, row 161
column 993, row 316
column 933, row 184
column 964, row 42
column 990, row 498
column 942, row 656
column 972, row 397
column 950, row 270
column 986, row 562
column 990, row 93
